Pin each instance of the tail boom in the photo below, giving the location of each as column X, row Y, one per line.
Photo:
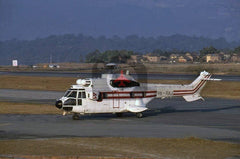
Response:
column 189, row 92
column 196, row 88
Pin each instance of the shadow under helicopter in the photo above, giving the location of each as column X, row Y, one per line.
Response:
column 177, row 105
column 154, row 112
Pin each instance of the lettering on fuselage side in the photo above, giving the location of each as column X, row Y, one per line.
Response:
column 164, row 93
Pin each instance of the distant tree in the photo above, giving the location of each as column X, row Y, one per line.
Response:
column 109, row 56
column 94, row 57
column 237, row 50
column 208, row 50
column 159, row 52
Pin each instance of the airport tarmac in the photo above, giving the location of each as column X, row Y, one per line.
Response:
column 216, row 119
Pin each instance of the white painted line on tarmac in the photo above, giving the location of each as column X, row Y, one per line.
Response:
column 120, row 120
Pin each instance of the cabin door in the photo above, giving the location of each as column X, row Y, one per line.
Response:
column 116, row 100
column 81, row 100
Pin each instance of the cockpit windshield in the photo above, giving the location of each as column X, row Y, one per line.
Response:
column 71, row 93
column 67, row 93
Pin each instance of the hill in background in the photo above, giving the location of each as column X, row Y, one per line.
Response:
column 73, row 48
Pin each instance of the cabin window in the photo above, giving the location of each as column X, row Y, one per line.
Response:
column 104, row 95
column 70, row 102
column 100, row 96
column 131, row 94
column 83, row 95
column 79, row 101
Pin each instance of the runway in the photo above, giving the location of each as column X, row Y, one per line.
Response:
column 152, row 76
column 29, row 96
column 216, row 119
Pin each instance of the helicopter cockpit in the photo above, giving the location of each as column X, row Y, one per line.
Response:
column 72, row 97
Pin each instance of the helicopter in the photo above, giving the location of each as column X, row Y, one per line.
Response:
column 121, row 93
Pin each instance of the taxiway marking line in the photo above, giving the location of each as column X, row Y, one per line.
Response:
column 120, row 120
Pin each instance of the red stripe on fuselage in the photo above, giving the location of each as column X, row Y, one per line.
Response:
column 197, row 88
column 189, row 91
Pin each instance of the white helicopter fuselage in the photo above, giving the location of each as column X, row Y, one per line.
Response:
column 121, row 93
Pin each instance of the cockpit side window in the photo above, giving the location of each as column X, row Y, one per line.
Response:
column 70, row 102
column 81, row 95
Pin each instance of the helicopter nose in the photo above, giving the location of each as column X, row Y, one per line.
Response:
column 58, row 104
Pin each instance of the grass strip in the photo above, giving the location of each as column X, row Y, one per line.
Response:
column 27, row 108
column 123, row 147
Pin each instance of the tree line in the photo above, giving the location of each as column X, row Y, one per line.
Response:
column 116, row 56
column 75, row 48
column 121, row 56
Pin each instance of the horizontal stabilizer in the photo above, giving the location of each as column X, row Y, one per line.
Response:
column 136, row 109
column 212, row 79
column 193, row 97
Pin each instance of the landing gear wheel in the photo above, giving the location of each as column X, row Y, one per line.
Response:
column 139, row 115
column 119, row 114
column 75, row 116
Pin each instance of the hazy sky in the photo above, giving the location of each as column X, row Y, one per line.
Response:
column 29, row 19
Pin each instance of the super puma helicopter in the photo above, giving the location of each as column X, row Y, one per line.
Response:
column 119, row 93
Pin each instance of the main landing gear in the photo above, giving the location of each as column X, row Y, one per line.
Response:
column 119, row 114
column 139, row 115
column 76, row 116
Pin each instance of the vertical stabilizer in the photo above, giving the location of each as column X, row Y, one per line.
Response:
column 197, row 85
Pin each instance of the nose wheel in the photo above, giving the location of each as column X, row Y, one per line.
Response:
column 76, row 116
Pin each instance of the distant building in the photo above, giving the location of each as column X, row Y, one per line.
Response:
column 226, row 57
column 213, row 58
column 181, row 59
column 195, row 56
column 134, row 59
column 235, row 58
column 15, row 63
column 173, row 56
column 151, row 59
column 163, row 58
column 189, row 57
